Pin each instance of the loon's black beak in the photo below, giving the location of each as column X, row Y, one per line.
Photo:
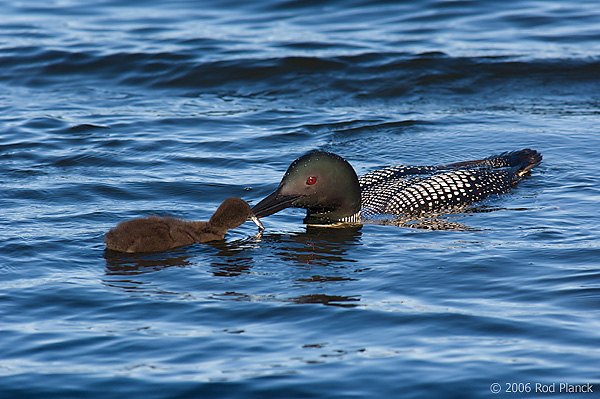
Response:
column 273, row 203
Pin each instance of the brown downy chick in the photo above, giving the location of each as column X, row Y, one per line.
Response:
column 157, row 234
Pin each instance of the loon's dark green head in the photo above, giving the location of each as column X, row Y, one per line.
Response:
column 323, row 183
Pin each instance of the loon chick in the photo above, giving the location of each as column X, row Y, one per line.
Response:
column 327, row 186
column 157, row 234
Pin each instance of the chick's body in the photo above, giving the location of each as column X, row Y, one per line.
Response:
column 157, row 234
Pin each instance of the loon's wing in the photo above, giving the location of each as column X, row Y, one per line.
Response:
column 392, row 173
column 525, row 160
column 427, row 189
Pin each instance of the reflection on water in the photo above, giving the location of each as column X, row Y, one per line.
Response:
column 314, row 247
column 332, row 300
column 437, row 222
column 448, row 220
column 123, row 264
column 121, row 268
column 317, row 245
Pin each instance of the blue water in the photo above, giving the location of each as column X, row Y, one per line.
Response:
column 112, row 110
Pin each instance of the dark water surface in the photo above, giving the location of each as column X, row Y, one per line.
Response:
column 113, row 110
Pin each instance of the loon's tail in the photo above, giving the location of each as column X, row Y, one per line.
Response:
column 522, row 161
column 529, row 159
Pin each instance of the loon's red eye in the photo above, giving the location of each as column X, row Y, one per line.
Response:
column 311, row 180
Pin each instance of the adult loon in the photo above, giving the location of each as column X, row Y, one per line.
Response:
column 327, row 186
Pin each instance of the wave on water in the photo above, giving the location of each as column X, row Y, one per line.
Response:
column 362, row 77
column 321, row 52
